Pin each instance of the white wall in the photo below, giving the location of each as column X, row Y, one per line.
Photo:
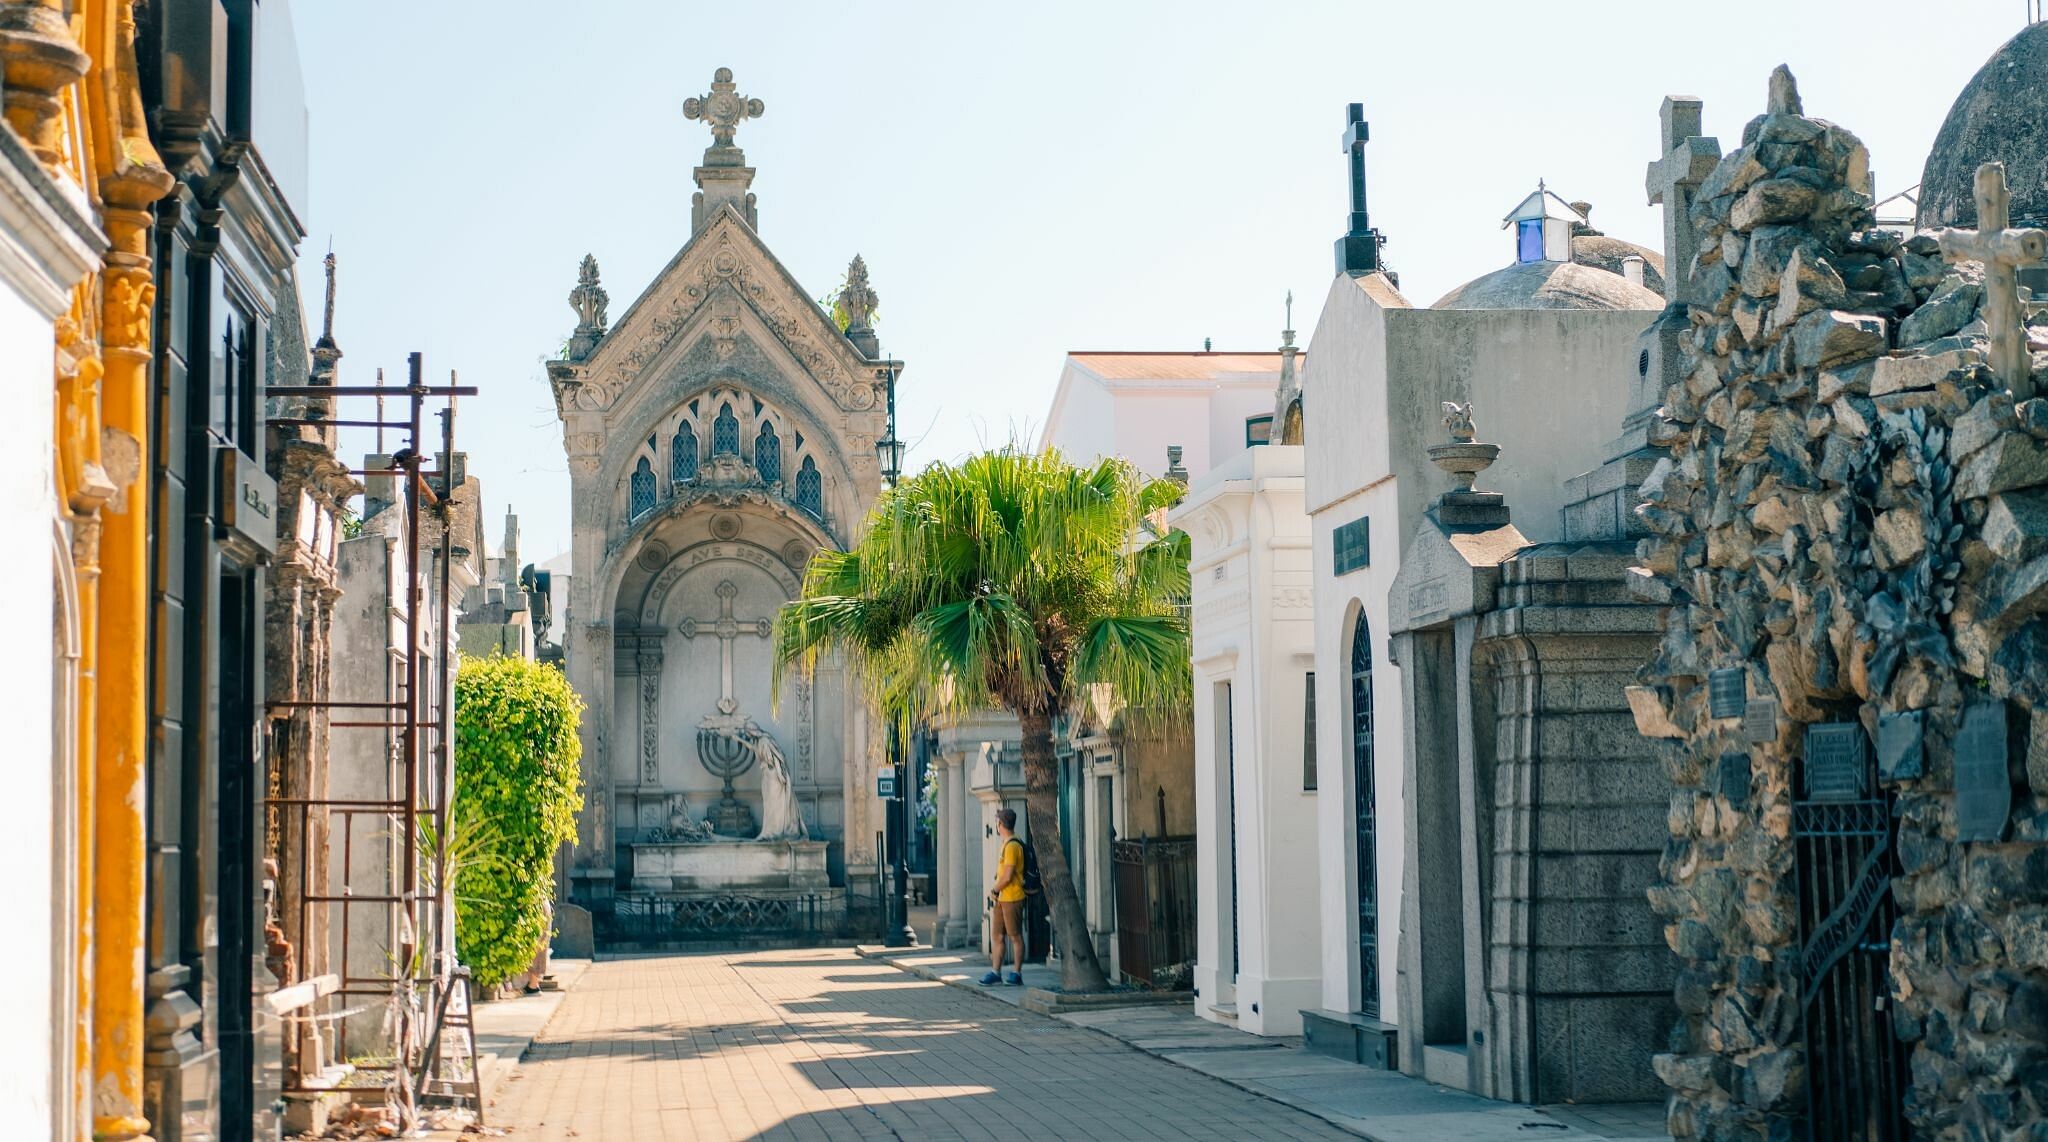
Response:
column 1137, row 419
column 1253, row 629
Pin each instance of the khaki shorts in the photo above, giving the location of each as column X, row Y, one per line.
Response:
column 1009, row 920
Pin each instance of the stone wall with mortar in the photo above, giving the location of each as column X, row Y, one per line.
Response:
column 1853, row 512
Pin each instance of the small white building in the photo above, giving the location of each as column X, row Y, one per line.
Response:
column 1536, row 348
column 1258, row 961
column 1211, row 406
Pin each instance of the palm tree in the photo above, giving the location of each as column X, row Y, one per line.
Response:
column 1013, row 580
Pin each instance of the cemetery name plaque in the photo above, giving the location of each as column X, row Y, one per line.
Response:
column 1983, row 786
column 1834, row 761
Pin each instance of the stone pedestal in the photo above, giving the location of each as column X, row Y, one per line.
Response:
column 728, row 866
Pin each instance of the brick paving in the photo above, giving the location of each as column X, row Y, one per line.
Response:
column 821, row 1044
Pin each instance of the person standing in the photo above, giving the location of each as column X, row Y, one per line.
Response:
column 1006, row 896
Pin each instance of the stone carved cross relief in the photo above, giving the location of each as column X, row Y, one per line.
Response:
column 722, row 108
column 726, row 629
column 2002, row 251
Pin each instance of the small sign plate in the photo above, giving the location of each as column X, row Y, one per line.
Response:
column 1983, row 786
column 1835, row 761
column 885, row 782
column 1760, row 721
column 1727, row 692
column 1735, row 778
column 1351, row 546
column 1899, row 750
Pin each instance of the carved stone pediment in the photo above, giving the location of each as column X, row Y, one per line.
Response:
column 723, row 269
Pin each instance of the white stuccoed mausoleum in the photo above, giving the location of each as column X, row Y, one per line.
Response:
column 717, row 435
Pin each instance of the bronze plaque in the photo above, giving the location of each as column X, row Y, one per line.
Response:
column 1760, row 721
column 1900, row 754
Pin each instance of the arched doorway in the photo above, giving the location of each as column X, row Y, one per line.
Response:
column 1367, row 831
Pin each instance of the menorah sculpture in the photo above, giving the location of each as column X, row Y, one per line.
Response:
column 726, row 754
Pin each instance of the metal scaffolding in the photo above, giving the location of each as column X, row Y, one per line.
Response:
column 424, row 988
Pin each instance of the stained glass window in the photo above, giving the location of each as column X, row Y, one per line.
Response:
column 682, row 461
column 641, row 488
column 725, row 433
column 1367, row 832
column 768, row 454
column 1529, row 240
column 810, row 489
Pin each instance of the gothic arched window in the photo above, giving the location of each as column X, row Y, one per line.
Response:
column 810, row 488
column 1368, row 818
column 725, row 433
column 682, row 461
column 768, row 454
column 640, row 501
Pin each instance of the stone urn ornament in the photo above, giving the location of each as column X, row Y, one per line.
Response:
column 1464, row 457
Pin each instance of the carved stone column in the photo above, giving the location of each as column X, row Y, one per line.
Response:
column 649, row 662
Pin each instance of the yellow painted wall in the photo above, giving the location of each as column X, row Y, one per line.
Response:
column 69, row 74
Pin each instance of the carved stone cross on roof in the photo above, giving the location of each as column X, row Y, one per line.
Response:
column 1688, row 160
column 726, row 629
column 2002, row 251
column 723, row 108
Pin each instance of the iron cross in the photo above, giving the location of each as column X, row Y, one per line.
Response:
column 2003, row 251
column 726, row 629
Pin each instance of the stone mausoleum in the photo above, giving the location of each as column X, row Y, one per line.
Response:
column 718, row 434
column 1851, row 534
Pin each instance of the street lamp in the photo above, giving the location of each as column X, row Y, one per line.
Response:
column 899, row 933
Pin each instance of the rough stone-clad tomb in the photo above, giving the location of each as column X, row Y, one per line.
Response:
column 1850, row 528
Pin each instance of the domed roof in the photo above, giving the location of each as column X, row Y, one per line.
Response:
column 2001, row 116
column 1550, row 285
column 1606, row 253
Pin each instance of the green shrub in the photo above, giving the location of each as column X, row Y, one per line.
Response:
column 517, row 793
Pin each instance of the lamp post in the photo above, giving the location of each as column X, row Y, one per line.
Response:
column 897, row 931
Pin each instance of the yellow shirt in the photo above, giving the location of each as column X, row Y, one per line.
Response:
column 1012, row 859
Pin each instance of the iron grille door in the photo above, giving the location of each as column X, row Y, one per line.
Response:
column 1843, row 834
column 1368, row 820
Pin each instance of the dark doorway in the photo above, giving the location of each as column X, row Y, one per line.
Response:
column 1367, row 810
column 240, row 843
column 1843, row 835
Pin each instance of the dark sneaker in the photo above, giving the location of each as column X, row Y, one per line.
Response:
column 990, row 979
column 1013, row 979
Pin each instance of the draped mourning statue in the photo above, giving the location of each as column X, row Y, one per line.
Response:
column 781, row 819
column 683, row 825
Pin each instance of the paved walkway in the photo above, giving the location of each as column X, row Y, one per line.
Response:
column 1373, row 1104
column 824, row 1044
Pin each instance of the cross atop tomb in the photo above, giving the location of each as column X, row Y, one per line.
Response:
column 1688, row 160
column 722, row 107
column 727, row 630
column 2002, row 251
column 1358, row 251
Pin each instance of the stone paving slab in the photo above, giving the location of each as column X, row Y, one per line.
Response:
column 822, row 1044
column 1383, row 1105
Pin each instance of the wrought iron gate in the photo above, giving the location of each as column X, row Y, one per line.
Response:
column 1368, row 819
column 1155, row 906
column 1843, row 832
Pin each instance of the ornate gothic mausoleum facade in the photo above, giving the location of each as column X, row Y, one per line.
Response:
column 718, row 434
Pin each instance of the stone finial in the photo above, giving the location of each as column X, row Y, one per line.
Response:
column 722, row 108
column 1458, row 422
column 1784, row 93
column 1174, row 470
column 1464, row 457
column 589, row 301
column 857, row 298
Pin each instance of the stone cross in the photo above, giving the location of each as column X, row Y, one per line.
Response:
column 726, row 629
column 1688, row 160
column 722, row 107
column 1358, row 251
column 2002, row 251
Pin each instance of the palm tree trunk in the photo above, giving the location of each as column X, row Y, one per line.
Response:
column 1080, row 970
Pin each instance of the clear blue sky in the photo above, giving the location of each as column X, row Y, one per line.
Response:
column 1022, row 180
